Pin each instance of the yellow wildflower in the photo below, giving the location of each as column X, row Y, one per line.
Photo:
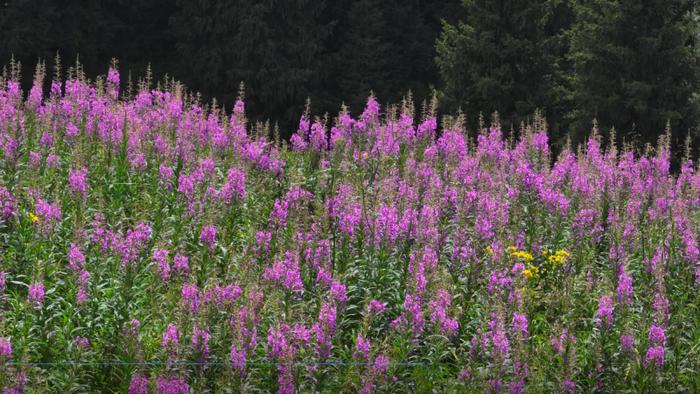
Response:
column 522, row 255
column 34, row 218
column 531, row 271
column 489, row 250
column 559, row 257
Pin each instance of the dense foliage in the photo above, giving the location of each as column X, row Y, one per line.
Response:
column 636, row 66
column 153, row 244
column 632, row 65
column 502, row 57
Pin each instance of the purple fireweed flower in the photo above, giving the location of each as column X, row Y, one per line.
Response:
column 200, row 341
column 113, row 83
column 362, row 348
column 285, row 379
column 207, row 166
column 172, row 385
column 237, row 357
column 83, row 277
column 324, row 277
column 5, row 348
column 318, row 137
column 181, row 263
column 71, row 130
column 78, row 181
column 171, row 336
column 130, row 247
column 186, row 185
column 499, row 281
column 81, row 296
column 338, row 292
column 439, row 316
column 661, row 307
column 604, row 314
column 190, row 297
column 586, row 224
column 46, row 140
column 208, row 236
column 427, row 128
column 137, row 160
column 464, row 375
column 9, row 147
column 298, row 139
column 325, row 330
column 520, row 324
column 234, row 186
column 655, row 356
column 76, row 258
column 516, row 387
column 34, row 159
column 301, row 333
column 285, row 272
column 498, row 337
column 568, row 386
column 657, row 335
column 52, row 161
column 8, row 204
column 278, row 347
column 36, row 93
column 412, row 311
column 138, row 385
column 373, row 374
column 165, row 175
column 36, row 293
column 262, row 240
column 133, row 328
column 627, row 343
column 226, row 295
column 371, row 111
column 376, row 307
column 495, row 385
column 160, row 259
column 381, row 364
column 81, row 342
column 563, row 341
column 48, row 215
column 624, row 289
column 691, row 250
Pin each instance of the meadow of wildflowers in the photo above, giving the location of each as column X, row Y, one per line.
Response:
column 149, row 243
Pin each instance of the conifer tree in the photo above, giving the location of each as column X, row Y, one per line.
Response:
column 503, row 56
column 275, row 47
column 635, row 67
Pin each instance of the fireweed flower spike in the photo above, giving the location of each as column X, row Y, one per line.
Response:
column 36, row 293
column 78, row 182
column 208, row 236
column 383, row 248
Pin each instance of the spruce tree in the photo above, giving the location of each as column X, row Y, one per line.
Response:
column 635, row 67
column 503, row 56
column 275, row 47
column 388, row 48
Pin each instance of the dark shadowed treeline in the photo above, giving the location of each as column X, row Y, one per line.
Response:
column 632, row 65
